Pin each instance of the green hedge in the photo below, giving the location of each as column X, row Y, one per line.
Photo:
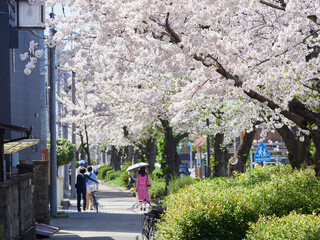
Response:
column 158, row 188
column 222, row 208
column 179, row 183
column 159, row 184
column 111, row 175
column 291, row 227
column 103, row 171
column 124, row 177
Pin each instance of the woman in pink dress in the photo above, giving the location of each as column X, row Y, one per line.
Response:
column 141, row 187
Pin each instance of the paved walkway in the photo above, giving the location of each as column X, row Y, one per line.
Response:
column 119, row 218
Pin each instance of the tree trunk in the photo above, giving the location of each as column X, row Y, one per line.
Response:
column 115, row 159
column 130, row 153
column 173, row 161
column 82, row 154
column 316, row 139
column 298, row 151
column 170, row 152
column 238, row 162
column 220, row 156
column 136, row 155
column 151, row 152
column 147, row 152
column 86, row 148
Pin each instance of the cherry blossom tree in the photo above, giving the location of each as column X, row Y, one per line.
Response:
column 149, row 54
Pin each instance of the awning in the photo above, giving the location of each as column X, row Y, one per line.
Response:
column 15, row 146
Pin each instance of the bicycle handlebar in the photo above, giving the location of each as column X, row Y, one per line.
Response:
column 146, row 200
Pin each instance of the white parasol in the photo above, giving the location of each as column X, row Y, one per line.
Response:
column 136, row 166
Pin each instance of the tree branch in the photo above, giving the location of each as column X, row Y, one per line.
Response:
column 172, row 33
column 297, row 107
column 300, row 121
column 220, row 69
column 181, row 136
column 278, row 55
column 314, row 89
column 272, row 5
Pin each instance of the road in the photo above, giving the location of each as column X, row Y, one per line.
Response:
column 119, row 218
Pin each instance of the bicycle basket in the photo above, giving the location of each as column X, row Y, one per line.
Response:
column 156, row 213
column 91, row 188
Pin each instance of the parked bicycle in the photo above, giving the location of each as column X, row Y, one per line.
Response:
column 149, row 222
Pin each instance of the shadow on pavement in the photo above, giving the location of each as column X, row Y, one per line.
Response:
column 100, row 222
column 117, row 218
column 75, row 237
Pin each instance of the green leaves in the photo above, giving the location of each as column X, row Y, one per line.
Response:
column 291, row 227
column 103, row 171
column 65, row 151
column 223, row 208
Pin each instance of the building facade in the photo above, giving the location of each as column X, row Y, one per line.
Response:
column 21, row 96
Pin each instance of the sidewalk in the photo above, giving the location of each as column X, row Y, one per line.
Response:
column 111, row 200
column 119, row 218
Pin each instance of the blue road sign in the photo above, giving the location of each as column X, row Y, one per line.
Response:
column 262, row 154
column 189, row 144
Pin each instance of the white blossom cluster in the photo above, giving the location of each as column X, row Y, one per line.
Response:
column 32, row 56
column 186, row 61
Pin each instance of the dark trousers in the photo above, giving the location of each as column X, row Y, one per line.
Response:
column 132, row 180
column 82, row 192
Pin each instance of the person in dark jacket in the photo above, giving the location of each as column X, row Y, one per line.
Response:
column 81, row 189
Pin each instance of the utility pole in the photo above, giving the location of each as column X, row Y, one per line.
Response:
column 53, row 140
column 190, row 145
column 208, row 152
column 73, row 129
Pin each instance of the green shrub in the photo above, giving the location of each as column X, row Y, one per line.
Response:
column 108, row 173
column 103, row 171
column 158, row 173
column 222, row 208
column 158, row 188
column 125, row 166
column 124, row 176
column 115, row 182
column 115, row 175
column 178, row 183
column 291, row 227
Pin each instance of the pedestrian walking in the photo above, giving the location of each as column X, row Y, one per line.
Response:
column 92, row 185
column 82, row 164
column 81, row 189
column 131, row 179
column 95, row 168
column 143, row 184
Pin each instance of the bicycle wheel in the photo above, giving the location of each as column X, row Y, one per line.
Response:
column 152, row 231
column 145, row 228
column 95, row 203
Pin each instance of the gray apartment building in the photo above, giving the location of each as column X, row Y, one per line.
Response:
column 22, row 97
